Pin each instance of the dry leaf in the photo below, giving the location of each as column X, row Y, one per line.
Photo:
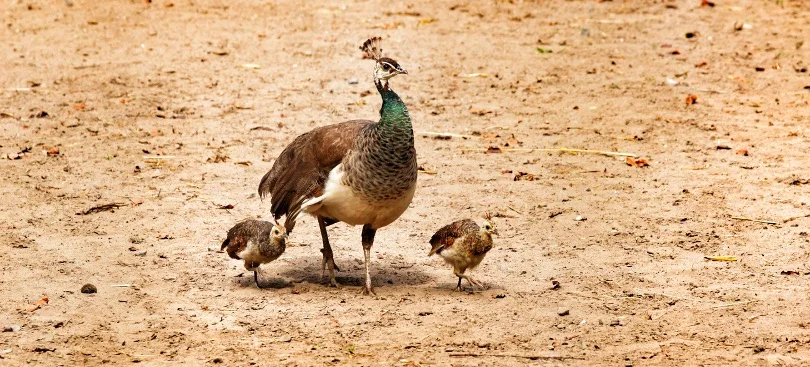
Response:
column 53, row 151
column 691, row 99
column 79, row 107
column 479, row 111
column 36, row 306
column 701, row 64
column 494, row 150
column 229, row 206
column 244, row 163
column 511, row 142
column 636, row 162
column 742, row 152
column 427, row 20
column 523, row 176
column 422, row 169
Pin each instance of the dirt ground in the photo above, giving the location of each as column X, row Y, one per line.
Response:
column 93, row 91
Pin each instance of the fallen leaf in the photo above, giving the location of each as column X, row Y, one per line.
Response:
column 424, row 170
column 79, row 107
column 636, row 162
column 494, row 150
column 789, row 272
column 228, row 206
column 245, row 163
column 53, row 151
column 427, row 20
column 523, row 176
column 36, row 306
column 691, row 99
column 218, row 158
column 707, row 3
column 541, row 50
column 506, row 171
column 743, row 152
column 479, row 111
column 701, row 64
column 511, row 142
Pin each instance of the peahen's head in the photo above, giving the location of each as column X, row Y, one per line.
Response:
column 386, row 68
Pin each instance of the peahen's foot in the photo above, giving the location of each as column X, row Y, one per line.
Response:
column 328, row 262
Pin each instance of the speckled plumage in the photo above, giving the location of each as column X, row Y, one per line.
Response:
column 463, row 244
column 255, row 242
column 358, row 172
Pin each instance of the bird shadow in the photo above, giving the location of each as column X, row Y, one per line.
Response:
column 352, row 272
column 245, row 280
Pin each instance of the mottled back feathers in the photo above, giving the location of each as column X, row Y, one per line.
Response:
column 447, row 235
column 301, row 170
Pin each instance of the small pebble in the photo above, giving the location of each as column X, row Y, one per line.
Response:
column 217, row 360
column 353, row 81
column 616, row 322
column 11, row 328
column 136, row 239
column 89, row 289
column 285, row 339
column 563, row 311
column 142, row 253
column 579, row 218
column 587, row 189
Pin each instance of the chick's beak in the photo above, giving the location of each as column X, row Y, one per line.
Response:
column 402, row 71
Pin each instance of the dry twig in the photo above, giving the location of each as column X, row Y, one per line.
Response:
column 754, row 220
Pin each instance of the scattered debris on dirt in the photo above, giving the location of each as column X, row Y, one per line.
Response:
column 102, row 208
column 89, row 289
column 636, row 162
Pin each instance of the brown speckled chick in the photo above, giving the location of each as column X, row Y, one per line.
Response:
column 464, row 244
column 256, row 242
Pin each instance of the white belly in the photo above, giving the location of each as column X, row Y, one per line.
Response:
column 341, row 203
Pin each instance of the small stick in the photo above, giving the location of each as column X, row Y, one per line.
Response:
column 754, row 220
column 159, row 157
column 515, row 210
column 794, row 218
column 532, row 357
column 731, row 304
column 567, row 150
column 432, row 133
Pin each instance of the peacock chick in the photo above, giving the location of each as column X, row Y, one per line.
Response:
column 256, row 242
column 463, row 244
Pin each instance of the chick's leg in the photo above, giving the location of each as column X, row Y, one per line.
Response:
column 256, row 278
column 328, row 259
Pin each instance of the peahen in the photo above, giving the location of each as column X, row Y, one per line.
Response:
column 358, row 172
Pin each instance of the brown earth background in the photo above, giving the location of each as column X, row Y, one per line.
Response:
column 92, row 91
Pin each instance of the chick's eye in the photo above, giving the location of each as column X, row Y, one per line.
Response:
column 386, row 67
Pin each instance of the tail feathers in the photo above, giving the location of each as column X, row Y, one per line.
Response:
column 225, row 244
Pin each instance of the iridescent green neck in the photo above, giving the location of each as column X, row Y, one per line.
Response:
column 393, row 114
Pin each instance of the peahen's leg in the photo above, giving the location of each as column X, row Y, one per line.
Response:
column 328, row 260
column 368, row 240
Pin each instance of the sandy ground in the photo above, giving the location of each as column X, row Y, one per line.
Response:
column 104, row 85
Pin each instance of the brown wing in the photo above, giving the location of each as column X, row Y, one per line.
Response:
column 300, row 171
column 241, row 233
column 447, row 235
